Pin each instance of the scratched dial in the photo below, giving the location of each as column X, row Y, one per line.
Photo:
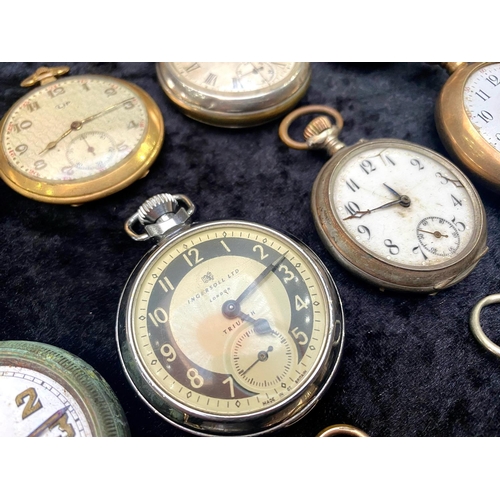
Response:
column 74, row 128
column 220, row 297
column 481, row 98
column 383, row 195
column 34, row 404
column 48, row 392
column 234, row 76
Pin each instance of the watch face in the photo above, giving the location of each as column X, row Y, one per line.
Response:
column 402, row 204
column 230, row 320
column 481, row 97
column 33, row 403
column 234, row 76
column 74, row 128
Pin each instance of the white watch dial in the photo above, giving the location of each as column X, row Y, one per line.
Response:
column 32, row 403
column 482, row 102
column 402, row 205
column 234, row 76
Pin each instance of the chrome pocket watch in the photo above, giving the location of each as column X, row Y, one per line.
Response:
column 76, row 139
column 468, row 119
column 227, row 327
column 47, row 392
column 394, row 213
column 234, row 94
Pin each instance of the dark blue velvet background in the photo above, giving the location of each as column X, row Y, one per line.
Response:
column 410, row 367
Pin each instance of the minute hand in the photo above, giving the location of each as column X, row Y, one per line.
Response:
column 402, row 200
column 255, row 283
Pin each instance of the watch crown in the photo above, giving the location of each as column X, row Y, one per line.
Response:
column 157, row 206
column 316, row 126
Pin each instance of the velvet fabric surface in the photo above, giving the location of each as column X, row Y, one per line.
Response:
column 410, row 365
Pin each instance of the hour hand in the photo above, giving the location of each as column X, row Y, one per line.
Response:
column 231, row 309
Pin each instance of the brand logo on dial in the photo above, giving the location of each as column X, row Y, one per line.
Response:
column 211, row 290
column 208, row 277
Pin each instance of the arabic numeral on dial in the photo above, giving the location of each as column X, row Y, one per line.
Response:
column 367, row 166
column 352, row 185
column 168, row 352
column 460, row 225
column 300, row 336
column 393, row 249
column 289, row 275
column 260, row 249
column 129, row 105
column 230, row 382
column 33, row 403
column 483, row 95
column 352, row 207
column 195, row 378
column 493, row 79
column 456, row 201
column 166, row 284
column 110, row 91
column 55, row 92
column 40, row 164
column 21, row 149
column 418, row 249
column 194, row 252
column 158, row 316
column 486, row 116
column 364, row 230
column 416, row 163
column 300, row 304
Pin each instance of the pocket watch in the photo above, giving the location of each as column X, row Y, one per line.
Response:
column 226, row 327
column 468, row 119
column 234, row 94
column 79, row 138
column 47, row 392
column 395, row 213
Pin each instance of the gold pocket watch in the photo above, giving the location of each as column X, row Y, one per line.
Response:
column 234, row 94
column 79, row 138
column 227, row 327
column 47, row 392
column 394, row 213
column 468, row 119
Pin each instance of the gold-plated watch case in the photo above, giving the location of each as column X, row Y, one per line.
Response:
column 346, row 249
column 461, row 138
column 133, row 167
column 234, row 109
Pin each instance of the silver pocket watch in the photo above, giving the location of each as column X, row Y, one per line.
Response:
column 227, row 327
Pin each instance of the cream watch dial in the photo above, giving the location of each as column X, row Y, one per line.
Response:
column 229, row 319
column 74, row 128
column 481, row 97
column 32, row 403
column 430, row 225
column 234, row 76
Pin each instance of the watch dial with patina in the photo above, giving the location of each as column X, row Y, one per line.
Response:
column 403, row 205
column 230, row 319
column 74, row 128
